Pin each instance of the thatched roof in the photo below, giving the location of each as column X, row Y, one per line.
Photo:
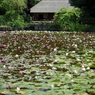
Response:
column 49, row 6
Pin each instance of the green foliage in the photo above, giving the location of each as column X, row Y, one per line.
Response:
column 13, row 19
column 77, row 27
column 19, row 22
column 1, row 19
column 13, row 12
column 53, row 26
column 68, row 19
column 17, row 5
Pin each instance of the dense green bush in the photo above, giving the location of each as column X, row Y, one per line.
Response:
column 77, row 27
column 53, row 26
column 12, row 19
column 13, row 11
column 2, row 20
column 18, row 22
column 68, row 19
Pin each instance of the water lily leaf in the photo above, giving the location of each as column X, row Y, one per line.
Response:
column 45, row 71
column 83, row 93
column 92, row 66
column 68, row 92
column 20, row 92
column 91, row 91
column 3, row 93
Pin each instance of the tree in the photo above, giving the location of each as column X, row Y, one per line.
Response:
column 12, row 12
column 67, row 19
column 17, row 5
column 87, row 6
column 15, row 12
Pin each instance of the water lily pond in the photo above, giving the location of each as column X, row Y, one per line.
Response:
column 47, row 63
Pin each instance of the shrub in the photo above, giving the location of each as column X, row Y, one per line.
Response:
column 19, row 22
column 2, row 20
column 53, row 26
column 68, row 19
column 78, row 27
column 14, row 19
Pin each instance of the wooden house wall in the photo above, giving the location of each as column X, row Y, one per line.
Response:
column 42, row 16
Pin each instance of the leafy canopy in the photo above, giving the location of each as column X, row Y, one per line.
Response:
column 68, row 18
column 17, row 5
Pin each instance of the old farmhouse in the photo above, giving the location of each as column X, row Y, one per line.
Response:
column 45, row 9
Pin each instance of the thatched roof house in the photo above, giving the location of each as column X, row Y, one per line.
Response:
column 45, row 9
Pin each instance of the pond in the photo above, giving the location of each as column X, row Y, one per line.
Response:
column 47, row 63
